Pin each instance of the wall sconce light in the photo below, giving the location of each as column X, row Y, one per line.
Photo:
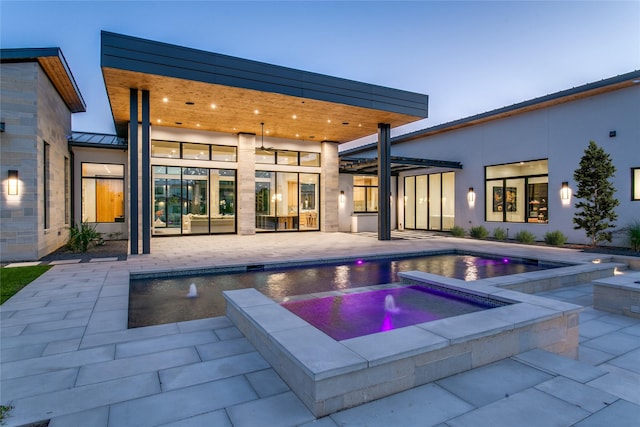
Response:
column 342, row 198
column 565, row 191
column 13, row 183
column 471, row 196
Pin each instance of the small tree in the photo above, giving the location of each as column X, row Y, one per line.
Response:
column 595, row 213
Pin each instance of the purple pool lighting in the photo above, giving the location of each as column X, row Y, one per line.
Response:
column 357, row 314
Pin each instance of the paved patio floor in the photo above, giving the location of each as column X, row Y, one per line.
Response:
column 67, row 355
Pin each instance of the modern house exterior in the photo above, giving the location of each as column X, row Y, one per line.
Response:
column 511, row 167
column 38, row 96
column 211, row 144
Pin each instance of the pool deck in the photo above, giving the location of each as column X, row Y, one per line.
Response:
column 67, row 356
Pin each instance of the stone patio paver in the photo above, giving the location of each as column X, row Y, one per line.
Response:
column 67, row 356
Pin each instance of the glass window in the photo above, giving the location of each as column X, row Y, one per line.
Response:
column 166, row 149
column 422, row 201
column 448, row 200
column 410, row 202
column 287, row 158
column 195, row 151
column 45, row 186
column 517, row 192
column 309, row 159
column 102, row 192
column 309, row 201
column 435, row 202
column 67, row 190
column 365, row 193
column 264, row 156
column 223, row 153
column 635, row 184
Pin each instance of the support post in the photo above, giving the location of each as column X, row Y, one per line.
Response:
column 384, row 181
column 146, row 175
column 133, row 171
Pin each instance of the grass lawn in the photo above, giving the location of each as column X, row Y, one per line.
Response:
column 15, row 278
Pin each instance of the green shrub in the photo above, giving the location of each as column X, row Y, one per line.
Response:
column 525, row 236
column 478, row 232
column 500, row 233
column 457, row 231
column 555, row 238
column 82, row 237
column 632, row 233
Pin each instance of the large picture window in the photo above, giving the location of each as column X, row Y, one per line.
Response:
column 102, row 192
column 517, row 192
column 287, row 201
column 365, row 194
column 189, row 200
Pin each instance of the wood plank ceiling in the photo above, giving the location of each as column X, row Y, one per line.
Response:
column 204, row 106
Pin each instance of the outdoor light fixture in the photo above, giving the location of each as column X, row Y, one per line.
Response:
column 565, row 192
column 471, row 196
column 13, row 183
column 342, row 197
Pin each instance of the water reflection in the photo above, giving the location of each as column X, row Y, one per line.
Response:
column 158, row 301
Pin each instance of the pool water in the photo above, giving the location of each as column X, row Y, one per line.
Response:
column 159, row 301
column 363, row 313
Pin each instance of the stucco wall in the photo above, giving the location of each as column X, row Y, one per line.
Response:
column 560, row 134
column 109, row 230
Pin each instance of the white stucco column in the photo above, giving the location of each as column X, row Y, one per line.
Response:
column 329, row 186
column 245, row 183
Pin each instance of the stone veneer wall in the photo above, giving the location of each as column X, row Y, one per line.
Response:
column 33, row 113
column 54, row 125
column 246, row 187
column 329, row 186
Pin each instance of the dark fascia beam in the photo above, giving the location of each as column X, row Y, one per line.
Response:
column 425, row 162
column 361, row 163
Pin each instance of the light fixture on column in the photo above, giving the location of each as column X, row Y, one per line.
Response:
column 13, row 183
column 565, row 191
column 471, row 196
column 342, row 197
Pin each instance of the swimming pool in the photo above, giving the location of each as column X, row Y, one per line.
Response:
column 164, row 300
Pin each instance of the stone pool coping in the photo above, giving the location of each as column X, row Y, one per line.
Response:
column 618, row 294
column 329, row 375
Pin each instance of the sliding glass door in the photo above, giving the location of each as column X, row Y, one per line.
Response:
column 193, row 200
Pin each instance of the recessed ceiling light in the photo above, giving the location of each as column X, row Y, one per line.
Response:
column 189, row 103
column 294, row 117
column 197, row 124
column 165, row 99
column 159, row 121
column 213, row 106
column 256, row 112
column 328, row 120
column 297, row 135
column 359, row 125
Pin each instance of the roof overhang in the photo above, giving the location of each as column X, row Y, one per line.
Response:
column 369, row 166
column 195, row 89
column 55, row 67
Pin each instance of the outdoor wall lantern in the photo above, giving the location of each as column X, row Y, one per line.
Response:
column 471, row 196
column 13, row 183
column 565, row 191
column 342, row 198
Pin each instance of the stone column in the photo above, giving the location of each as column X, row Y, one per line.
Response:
column 329, row 186
column 245, row 184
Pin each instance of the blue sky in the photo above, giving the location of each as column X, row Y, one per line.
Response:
column 469, row 57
